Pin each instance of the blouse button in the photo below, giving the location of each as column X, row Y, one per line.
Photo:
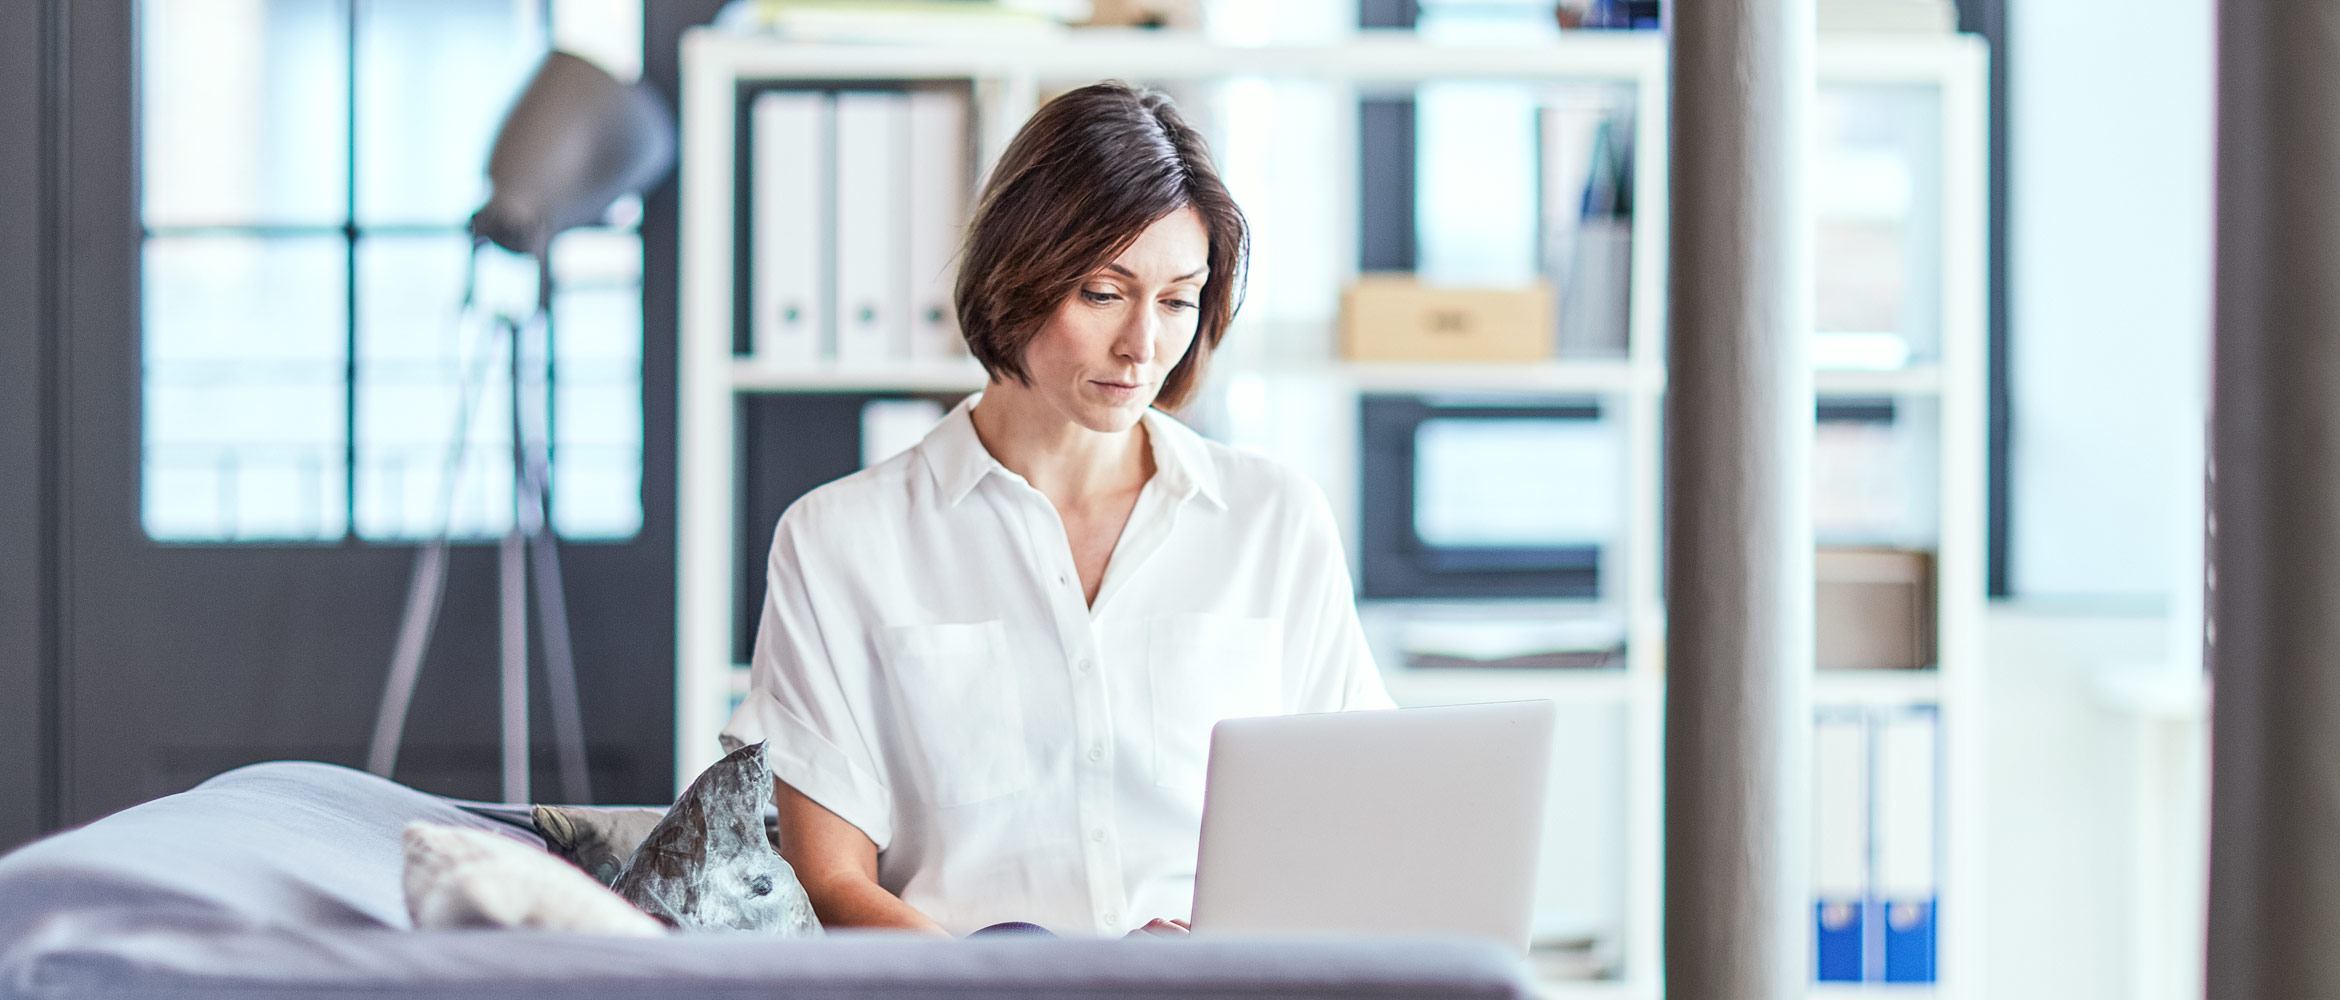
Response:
column 1087, row 664
column 1099, row 837
column 1096, row 754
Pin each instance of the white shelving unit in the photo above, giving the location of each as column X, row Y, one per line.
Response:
column 1007, row 81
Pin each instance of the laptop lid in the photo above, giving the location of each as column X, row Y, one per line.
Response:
column 1419, row 820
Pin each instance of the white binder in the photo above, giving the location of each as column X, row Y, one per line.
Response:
column 1840, row 844
column 1906, row 883
column 788, row 198
column 939, row 158
column 872, row 265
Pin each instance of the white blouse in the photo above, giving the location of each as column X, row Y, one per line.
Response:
column 928, row 670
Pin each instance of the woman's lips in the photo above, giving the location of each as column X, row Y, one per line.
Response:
column 1119, row 392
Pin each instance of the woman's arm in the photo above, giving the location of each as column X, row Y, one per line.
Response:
column 837, row 863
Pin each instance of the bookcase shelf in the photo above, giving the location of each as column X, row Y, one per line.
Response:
column 1587, row 377
column 1006, row 82
column 749, row 375
column 1876, row 687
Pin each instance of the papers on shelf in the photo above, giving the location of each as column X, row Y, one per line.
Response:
column 1578, row 642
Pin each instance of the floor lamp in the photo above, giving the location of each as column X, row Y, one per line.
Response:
column 575, row 142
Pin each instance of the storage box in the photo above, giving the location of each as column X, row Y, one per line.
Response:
column 1393, row 317
column 1875, row 609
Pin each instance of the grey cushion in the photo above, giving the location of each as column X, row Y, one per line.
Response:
column 598, row 839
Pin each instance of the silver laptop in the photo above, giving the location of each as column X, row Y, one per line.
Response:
column 1418, row 820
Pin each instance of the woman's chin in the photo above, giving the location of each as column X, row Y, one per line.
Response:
column 1110, row 416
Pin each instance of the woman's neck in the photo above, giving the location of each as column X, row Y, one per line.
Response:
column 1070, row 464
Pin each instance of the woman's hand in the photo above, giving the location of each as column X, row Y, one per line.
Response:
column 1159, row 927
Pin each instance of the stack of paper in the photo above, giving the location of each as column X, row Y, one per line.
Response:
column 1566, row 643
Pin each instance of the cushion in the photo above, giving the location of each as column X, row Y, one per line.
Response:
column 707, row 865
column 594, row 838
column 466, row 878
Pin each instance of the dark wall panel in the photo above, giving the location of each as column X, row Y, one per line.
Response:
column 175, row 662
column 23, row 466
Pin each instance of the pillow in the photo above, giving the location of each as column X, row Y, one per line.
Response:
column 596, row 839
column 707, row 865
column 471, row 878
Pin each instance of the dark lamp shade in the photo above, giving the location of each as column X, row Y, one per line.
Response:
column 575, row 142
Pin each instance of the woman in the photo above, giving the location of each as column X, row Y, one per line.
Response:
column 988, row 667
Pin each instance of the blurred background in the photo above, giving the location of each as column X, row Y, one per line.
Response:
column 247, row 417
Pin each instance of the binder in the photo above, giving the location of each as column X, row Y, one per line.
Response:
column 789, row 238
column 940, row 179
column 872, row 288
column 1840, row 846
column 1906, row 883
column 1597, row 291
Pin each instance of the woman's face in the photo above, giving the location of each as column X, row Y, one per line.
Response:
column 1101, row 358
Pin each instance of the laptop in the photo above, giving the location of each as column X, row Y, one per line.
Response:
column 1411, row 821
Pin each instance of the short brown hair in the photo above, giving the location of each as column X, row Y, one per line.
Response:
column 1080, row 183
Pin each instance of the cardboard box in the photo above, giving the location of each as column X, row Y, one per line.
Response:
column 1875, row 609
column 1393, row 317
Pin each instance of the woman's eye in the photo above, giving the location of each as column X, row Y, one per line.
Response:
column 1098, row 297
column 1179, row 304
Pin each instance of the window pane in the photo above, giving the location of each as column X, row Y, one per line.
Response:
column 608, row 32
column 434, row 80
column 415, row 353
column 1475, row 197
column 597, row 378
column 244, row 111
column 245, row 362
column 1485, row 20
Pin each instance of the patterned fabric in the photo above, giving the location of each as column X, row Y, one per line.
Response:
column 707, row 865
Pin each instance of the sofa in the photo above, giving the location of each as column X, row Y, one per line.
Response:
column 282, row 880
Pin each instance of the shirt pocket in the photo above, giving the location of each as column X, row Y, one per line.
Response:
column 963, row 708
column 1204, row 668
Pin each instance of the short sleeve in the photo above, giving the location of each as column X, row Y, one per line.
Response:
column 1339, row 674
column 808, row 698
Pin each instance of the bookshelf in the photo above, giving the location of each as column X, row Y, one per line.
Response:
column 1944, row 378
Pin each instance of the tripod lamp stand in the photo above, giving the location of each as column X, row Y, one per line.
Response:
column 575, row 142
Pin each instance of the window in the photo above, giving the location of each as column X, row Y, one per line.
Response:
column 307, row 171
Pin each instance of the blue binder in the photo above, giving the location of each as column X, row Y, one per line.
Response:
column 1909, row 942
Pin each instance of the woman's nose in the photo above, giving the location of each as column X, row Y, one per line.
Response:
column 1136, row 343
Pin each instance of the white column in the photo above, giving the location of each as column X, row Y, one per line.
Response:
column 2275, row 506
column 1738, row 522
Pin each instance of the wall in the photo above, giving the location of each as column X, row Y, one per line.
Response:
column 2109, row 282
column 24, row 795
column 2096, row 811
column 2098, row 802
